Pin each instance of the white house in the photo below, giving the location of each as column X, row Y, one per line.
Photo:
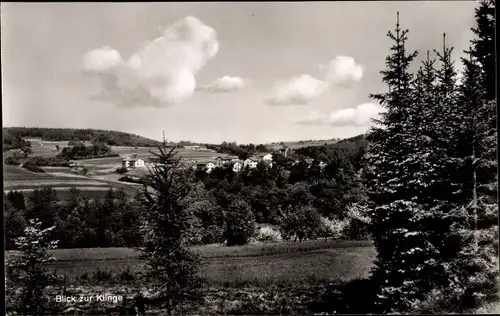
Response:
column 237, row 166
column 250, row 163
column 210, row 166
column 268, row 157
column 207, row 166
column 265, row 156
column 132, row 163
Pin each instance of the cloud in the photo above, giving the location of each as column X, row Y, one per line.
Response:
column 296, row 90
column 314, row 118
column 225, row 84
column 342, row 71
column 161, row 73
column 358, row 116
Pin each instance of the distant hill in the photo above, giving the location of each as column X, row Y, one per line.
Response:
column 112, row 138
column 349, row 146
column 359, row 140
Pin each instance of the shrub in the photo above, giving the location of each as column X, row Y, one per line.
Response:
column 102, row 276
column 126, row 276
column 49, row 161
column 131, row 179
column 12, row 161
column 302, row 222
column 240, row 223
column 357, row 227
column 268, row 234
column 333, row 228
column 121, row 170
column 32, row 167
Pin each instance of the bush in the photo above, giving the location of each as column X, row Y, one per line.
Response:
column 240, row 223
column 49, row 161
column 131, row 179
column 303, row 222
column 126, row 276
column 332, row 228
column 32, row 167
column 102, row 276
column 358, row 223
column 121, row 170
column 268, row 234
column 12, row 161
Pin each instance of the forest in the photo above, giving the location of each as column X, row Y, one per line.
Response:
column 111, row 138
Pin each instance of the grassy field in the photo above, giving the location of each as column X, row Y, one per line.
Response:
column 258, row 264
column 60, row 179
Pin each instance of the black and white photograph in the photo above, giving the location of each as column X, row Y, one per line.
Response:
column 250, row 158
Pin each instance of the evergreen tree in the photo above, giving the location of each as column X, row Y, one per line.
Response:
column 400, row 174
column 171, row 267
column 24, row 272
column 479, row 261
column 483, row 46
column 472, row 243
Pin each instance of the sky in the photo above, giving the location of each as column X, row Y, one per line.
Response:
column 210, row 72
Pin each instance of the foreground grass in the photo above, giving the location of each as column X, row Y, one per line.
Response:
column 260, row 264
column 212, row 251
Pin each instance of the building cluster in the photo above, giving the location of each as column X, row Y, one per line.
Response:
column 232, row 161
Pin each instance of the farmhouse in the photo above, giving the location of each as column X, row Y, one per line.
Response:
column 237, row 166
column 251, row 162
column 132, row 163
column 225, row 161
column 265, row 156
column 204, row 165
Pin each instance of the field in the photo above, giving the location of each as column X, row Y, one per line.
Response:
column 60, row 179
column 257, row 264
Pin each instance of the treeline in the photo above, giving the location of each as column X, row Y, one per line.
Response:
column 81, row 151
column 80, row 222
column 112, row 138
column 242, row 151
column 13, row 141
column 63, row 159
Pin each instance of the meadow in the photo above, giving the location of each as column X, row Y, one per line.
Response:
column 256, row 264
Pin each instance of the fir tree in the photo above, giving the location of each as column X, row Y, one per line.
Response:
column 483, row 46
column 397, row 158
column 171, row 267
column 25, row 273
column 471, row 254
column 479, row 261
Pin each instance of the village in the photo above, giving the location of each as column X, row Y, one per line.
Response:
column 222, row 161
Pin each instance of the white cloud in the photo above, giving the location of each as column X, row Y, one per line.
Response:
column 225, row 84
column 314, row 118
column 343, row 70
column 101, row 60
column 160, row 73
column 358, row 116
column 296, row 90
